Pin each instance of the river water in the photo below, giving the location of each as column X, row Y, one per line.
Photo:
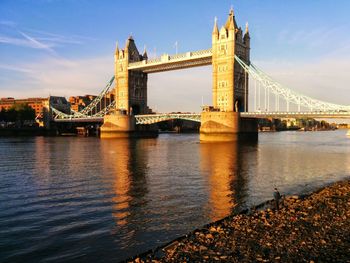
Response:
column 91, row 200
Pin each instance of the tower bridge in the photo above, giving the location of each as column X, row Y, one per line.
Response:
column 230, row 84
column 235, row 78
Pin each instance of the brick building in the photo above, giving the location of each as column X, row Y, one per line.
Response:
column 36, row 103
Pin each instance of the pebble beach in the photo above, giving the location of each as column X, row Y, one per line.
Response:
column 312, row 228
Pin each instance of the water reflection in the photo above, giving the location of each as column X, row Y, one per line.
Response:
column 222, row 163
column 85, row 199
column 126, row 163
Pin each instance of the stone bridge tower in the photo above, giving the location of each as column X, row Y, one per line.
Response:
column 130, row 86
column 222, row 122
column 230, row 83
column 130, row 94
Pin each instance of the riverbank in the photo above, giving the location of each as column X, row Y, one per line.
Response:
column 313, row 228
column 25, row 131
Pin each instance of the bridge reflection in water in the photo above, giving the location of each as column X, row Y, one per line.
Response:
column 220, row 162
column 125, row 162
column 137, row 167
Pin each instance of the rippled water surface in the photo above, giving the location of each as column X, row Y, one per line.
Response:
column 86, row 199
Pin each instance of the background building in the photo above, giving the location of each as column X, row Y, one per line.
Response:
column 80, row 102
column 36, row 103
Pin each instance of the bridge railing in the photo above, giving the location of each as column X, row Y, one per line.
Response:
column 204, row 52
column 153, row 60
column 178, row 56
column 155, row 118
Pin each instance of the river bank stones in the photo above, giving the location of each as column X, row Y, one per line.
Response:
column 315, row 228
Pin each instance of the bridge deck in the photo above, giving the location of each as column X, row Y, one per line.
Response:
column 172, row 62
column 154, row 118
column 92, row 120
column 316, row 115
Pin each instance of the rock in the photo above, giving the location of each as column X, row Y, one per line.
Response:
column 202, row 248
column 209, row 236
column 212, row 229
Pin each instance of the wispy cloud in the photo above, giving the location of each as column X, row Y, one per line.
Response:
column 57, row 38
column 56, row 76
column 312, row 38
column 15, row 68
column 36, row 43
column 36, row 39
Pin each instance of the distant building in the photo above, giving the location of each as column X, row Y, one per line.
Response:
column 36, row 103
column 80, row 102
column 6, row 103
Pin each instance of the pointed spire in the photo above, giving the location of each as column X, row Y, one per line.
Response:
column 116, row 48
column 230, row 19
column 231, row 26
column 231, row 11
column 215, row 29
column 144, row 53
column 246, row 28
column 127, row 44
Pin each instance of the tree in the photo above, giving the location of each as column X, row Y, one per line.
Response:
column 18, row 113
column 24, row 112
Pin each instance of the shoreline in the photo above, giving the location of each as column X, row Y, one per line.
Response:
column 307, row 221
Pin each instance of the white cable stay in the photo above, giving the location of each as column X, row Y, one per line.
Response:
column 289, row 95
column 79, row 115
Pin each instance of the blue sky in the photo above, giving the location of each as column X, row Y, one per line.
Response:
column 65, row 47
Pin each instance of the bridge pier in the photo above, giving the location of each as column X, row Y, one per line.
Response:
column 119, row 125
column 226, row 126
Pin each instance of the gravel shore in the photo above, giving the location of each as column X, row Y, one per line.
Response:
column 313, row 228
